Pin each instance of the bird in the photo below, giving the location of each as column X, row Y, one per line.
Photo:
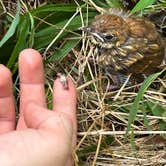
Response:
column 126, row 44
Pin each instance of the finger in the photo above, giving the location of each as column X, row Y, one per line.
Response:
column 31, row 81
column 38, row 117
column 7, row 112
column 64, row 101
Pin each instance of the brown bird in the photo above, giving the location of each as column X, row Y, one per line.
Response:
column 126, row 44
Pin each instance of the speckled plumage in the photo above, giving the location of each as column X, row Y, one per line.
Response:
column 127, row 44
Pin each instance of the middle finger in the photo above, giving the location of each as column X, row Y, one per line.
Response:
column 31, row 81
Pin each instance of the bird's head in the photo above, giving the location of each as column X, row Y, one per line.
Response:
column 107, row 31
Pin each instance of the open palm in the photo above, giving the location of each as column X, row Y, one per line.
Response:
column 41, row 137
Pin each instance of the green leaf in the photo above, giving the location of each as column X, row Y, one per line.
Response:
column 132, row 140
column 21, row 41
column 46, row 35
column 139, row 97
column 162, row 126
column 62, row 52
column 54, row 8
column 146, row 121
column 156, row 108
column 113, row 3
column 75, row 23
column 13, row 26
column 142, row 4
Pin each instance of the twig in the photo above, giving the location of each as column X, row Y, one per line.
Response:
column 121, row 89
column 61, row 31
column 120, row 132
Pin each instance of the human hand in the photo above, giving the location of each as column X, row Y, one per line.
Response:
column 41, row 137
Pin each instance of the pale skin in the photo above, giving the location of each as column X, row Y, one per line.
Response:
column 41, row 137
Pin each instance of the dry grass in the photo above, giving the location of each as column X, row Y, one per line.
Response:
column 103, row 120
column 103, row 115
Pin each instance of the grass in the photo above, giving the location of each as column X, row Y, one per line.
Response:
column 103, row 117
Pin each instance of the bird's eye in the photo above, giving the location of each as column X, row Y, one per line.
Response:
column 108, row 37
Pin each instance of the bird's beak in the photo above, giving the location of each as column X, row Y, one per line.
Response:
column 86, row 29
column 90, row 30
column 97, row 36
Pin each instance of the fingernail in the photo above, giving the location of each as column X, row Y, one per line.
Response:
column 63, row 81
column 2, row 66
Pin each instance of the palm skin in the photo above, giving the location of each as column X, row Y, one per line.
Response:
column 41, row 137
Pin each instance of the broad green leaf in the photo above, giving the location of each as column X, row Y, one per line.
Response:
column 54, row 8
column 156, row 108
column 74, row 24
column 13, row 26
column 21, row 41
column 62, row 52
column 46, row 35
column 101, row 3
column 139, row 97
column 113, row 3
column 142, row 4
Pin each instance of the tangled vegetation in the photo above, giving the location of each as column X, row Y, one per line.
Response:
column 122, row 127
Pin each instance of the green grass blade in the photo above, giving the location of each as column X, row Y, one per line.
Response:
column 142, row 4
column 146, row 121
column 62, row 52
column 132, row 141
column 113, row 3
column 54, row 8
column 139, row 97
column 13, row 26
column 158, row 110
column 21, row 42
column 46, row 35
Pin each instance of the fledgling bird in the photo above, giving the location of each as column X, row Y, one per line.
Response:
column 126, row 44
